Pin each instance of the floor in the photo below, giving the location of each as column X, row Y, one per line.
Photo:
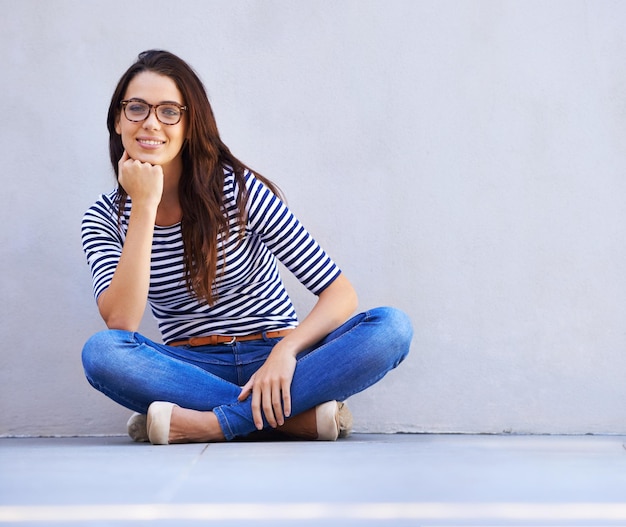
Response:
column 369, row 480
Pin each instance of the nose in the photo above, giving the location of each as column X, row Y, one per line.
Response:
column 151, row 121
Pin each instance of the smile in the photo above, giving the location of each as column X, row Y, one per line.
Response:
column 150, row 142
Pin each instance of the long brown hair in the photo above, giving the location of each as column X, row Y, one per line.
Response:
column 204, row 156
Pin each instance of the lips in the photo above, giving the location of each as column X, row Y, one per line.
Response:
column 149, row 143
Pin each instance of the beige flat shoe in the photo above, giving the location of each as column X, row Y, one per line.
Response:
column 137, row 428
column 158, row 422
column 345, row 419
column 326, row 422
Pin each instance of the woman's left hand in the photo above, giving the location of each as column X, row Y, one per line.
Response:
column 270, row 387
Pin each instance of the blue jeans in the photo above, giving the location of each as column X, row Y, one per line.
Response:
column 135, row 371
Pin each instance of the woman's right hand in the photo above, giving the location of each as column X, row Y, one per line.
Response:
column 123, row 303
column 143, row 182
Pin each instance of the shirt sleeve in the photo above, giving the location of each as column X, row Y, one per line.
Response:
column 286, row 237
column 102, row 241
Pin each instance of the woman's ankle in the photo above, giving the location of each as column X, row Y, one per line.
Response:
column 193, row 426
column 326, row 422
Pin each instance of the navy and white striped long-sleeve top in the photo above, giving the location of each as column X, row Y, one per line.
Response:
column 251, row 294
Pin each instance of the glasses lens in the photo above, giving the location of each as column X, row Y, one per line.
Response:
column 168, row 114
column 136, row 110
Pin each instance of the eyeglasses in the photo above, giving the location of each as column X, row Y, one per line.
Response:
column 137, row 110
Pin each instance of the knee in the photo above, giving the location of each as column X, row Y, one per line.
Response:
column 99, row 351
column 397, row 328
column 396, row 322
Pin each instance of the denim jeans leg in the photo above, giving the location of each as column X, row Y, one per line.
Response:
column 134, row 372
column 352, row 358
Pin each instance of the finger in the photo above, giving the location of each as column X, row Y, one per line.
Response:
column 268, row 408
column 246, row 390
column 257, row 417
column 286, row 392
column 277, row 405
column 121, row 162
column 244, row 394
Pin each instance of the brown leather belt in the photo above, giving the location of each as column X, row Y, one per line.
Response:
column 212, row 340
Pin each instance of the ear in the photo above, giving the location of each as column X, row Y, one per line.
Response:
column 118, row 128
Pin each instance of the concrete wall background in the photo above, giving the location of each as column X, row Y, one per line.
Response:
column 461, row 160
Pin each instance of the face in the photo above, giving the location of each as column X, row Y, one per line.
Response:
column 151, row 141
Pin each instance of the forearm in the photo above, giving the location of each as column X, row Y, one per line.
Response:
column 123, row 303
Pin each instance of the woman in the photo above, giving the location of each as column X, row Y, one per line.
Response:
column 195, row 233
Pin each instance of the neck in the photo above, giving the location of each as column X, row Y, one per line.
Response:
column 169, row 211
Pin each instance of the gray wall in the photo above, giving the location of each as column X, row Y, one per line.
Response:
column 462, row 160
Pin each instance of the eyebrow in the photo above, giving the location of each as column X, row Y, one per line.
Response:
column 139, row 99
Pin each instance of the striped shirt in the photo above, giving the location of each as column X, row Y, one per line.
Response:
column 251, row 294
